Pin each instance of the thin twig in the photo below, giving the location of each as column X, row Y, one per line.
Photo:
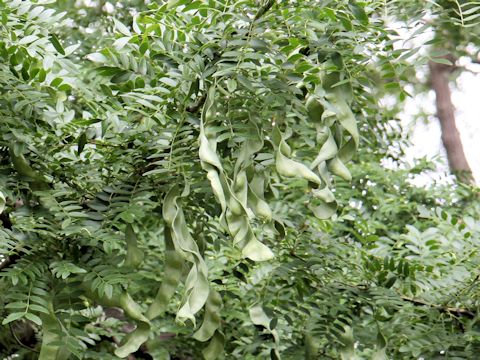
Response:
column 444, row 309
column 20, row 342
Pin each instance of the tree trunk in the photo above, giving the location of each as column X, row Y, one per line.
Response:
column 446, row 115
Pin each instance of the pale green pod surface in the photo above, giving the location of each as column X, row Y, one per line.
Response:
column 22, row 166
column 123, row 300
column 131, row 308
column 256, row 198
column 345, row 116
column 235, row 206
column 196, row 284
column 260, row 207
column 285, row 166
column 51, row 334
column 256, row 251
column 284, row 148
column 290, row 168
column 311, row 347
column 314, row 109
column 344, row 90
column 134, row 255
column 322, row 134
column 263, row 210
column 217, row 188
column 200, row 286
column 173, row 270
column 245, row 156
column 215, row 347
column 240, row 188
column 259, row 317
column 347, row 151
column 328, row 151
column 132, row 342
column 347, row 351
column 324, row 194
column 236, row 223
column 207, row 153
column 212, row 320
column 324, row 173
column 337, row 167
column 324, row 211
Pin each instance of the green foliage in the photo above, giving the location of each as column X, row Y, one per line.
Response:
column 203, row 179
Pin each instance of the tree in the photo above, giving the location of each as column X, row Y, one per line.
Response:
column 180, row 189
column 454, row 40
column 446, row 115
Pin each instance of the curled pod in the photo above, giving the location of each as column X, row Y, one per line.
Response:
column 322, row 134
column 290, row 168
column 314, row 109
column 134, row 255
column 337, row 167
column 23, row 167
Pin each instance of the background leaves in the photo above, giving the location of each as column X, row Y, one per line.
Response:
column 190, row 179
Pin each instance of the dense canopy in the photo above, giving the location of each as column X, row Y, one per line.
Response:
column 208, row 179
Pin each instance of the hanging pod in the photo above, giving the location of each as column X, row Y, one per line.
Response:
column 259, row 206
column 324, row 204
column 173, row 269
column 196, row 285
column 52, row 336
column 211, row 320
column 288, row 167
column 215, row 347
column 260, row 318
column 323, row 211
column 22, row 166
column 314, row 109
column 232, row 196
column 328, row 150
column 134, row 340
column 132, row 310
column 134, row 255
column 344, row 115
column 337, row 167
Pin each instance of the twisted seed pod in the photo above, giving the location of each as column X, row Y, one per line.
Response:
column 134, row 255
column 314, row 109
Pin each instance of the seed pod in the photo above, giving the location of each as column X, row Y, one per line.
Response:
column 134, row 255
column 290, row 168
column 337, row 167
column 314, row 109
column 212, row 320
column 23, row 167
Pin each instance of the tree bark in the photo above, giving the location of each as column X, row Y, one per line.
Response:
column 446, row 115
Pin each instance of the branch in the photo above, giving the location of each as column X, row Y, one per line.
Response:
column 443, row 309
column 195, row 107
column 457, row 312
column 263, row 9
column 8, row 261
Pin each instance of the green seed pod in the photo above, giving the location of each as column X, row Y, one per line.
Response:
column 212, row 320
column 290, row 168
column 337, row 167
column 262, row 209
column 322, row 134
column 134, row 255
column 23, row 167
column 311, row 347
column 314, row 109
